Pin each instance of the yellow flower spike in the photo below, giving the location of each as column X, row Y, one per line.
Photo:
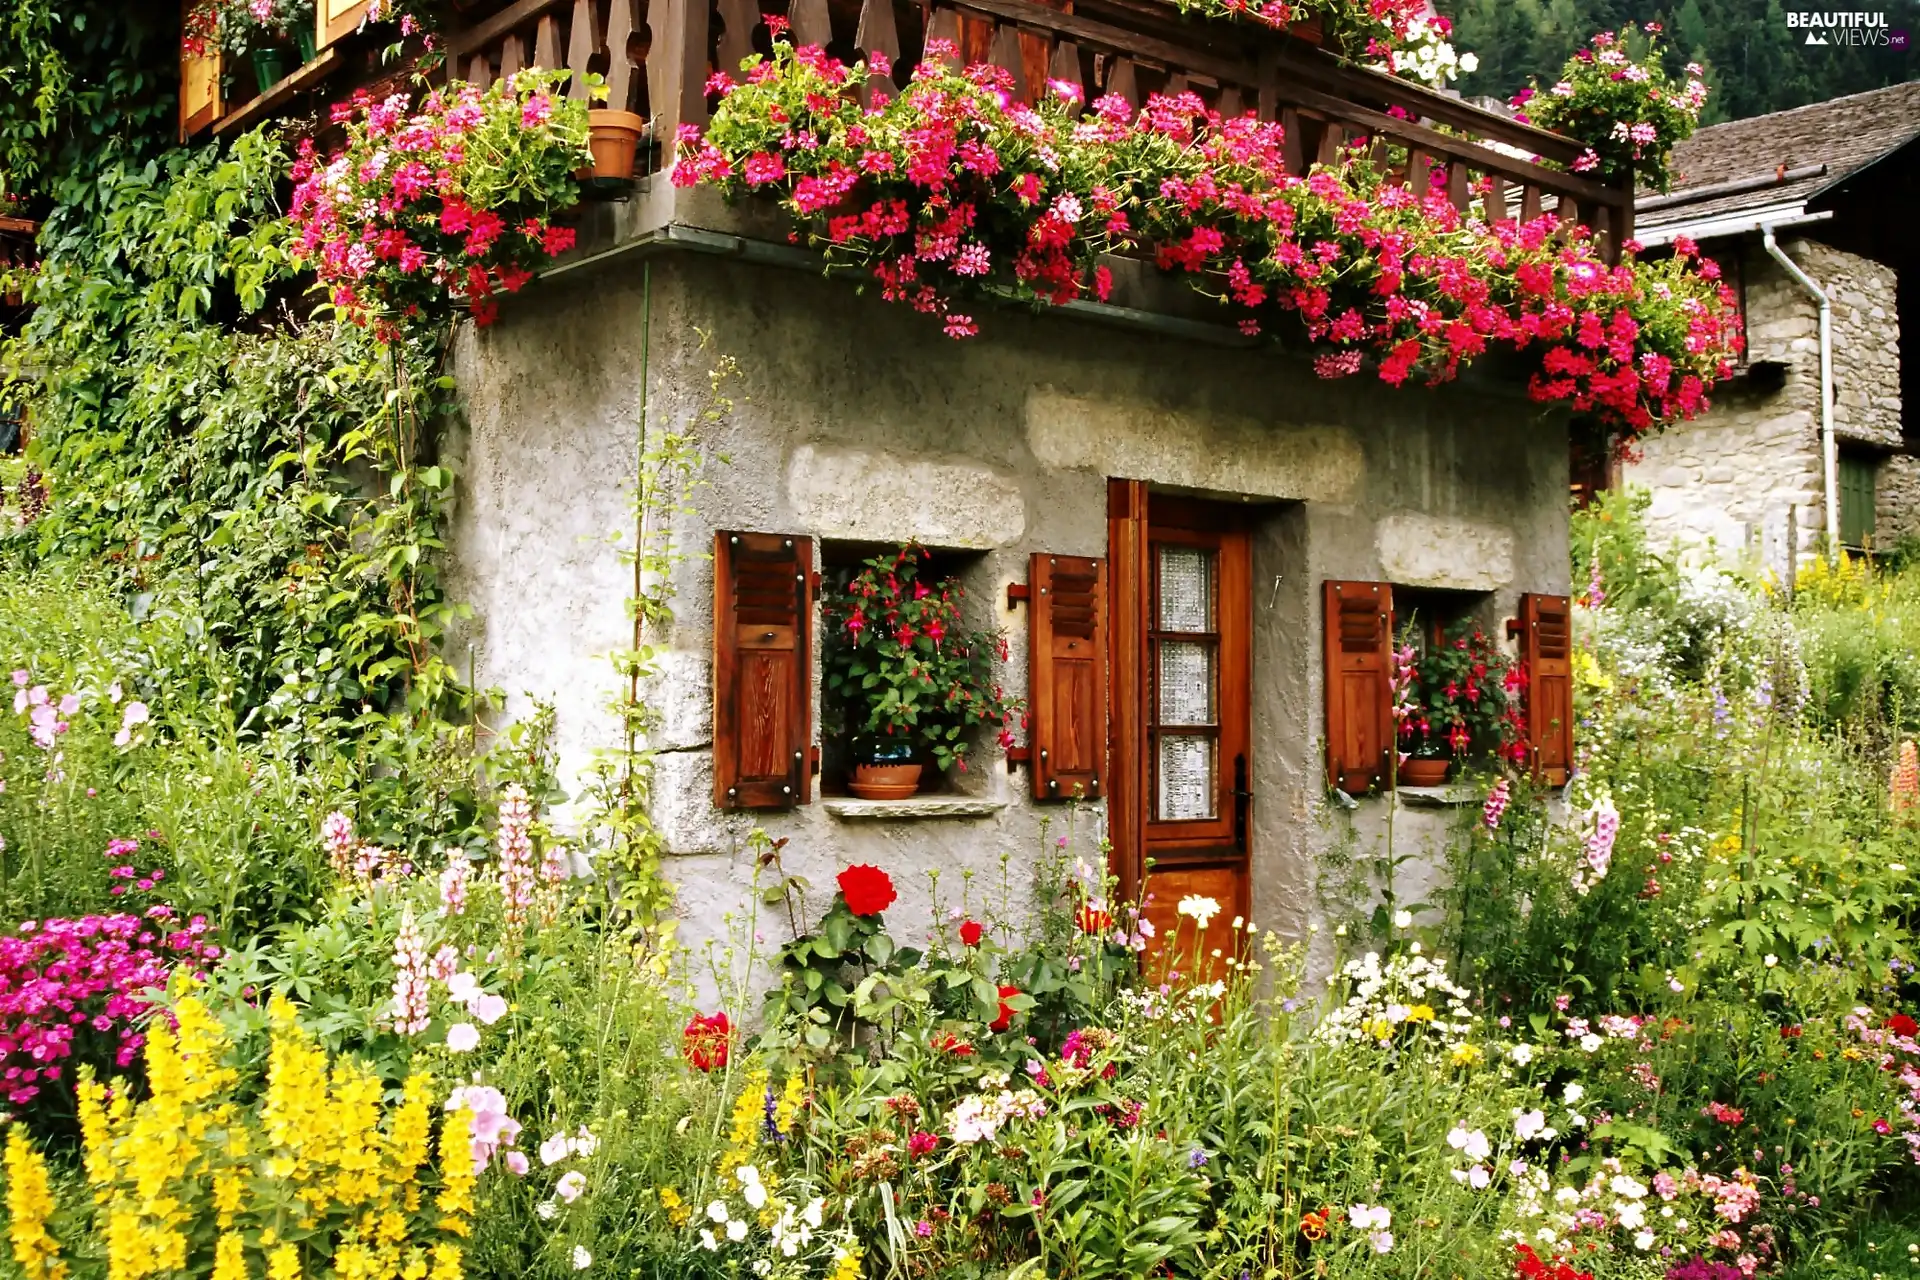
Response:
column 788, row 1108
column 446, row 1262
column 283, row 1263
column 228, row 1187
column 456, row 1176
column 29, row 1205
column 96, row 1133
column 230, row 1257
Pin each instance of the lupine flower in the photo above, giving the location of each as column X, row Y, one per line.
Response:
column 411, row 1009
column 336, row 836
column 515, row 845
column 454, row 878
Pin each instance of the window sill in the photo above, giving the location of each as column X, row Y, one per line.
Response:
column 848, row 809
column 1449, row 796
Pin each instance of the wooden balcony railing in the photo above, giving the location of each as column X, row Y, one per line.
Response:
column 656, row 56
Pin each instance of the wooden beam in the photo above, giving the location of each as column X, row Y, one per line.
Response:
column 280, row 93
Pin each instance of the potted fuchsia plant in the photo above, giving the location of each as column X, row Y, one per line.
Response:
column 906, row 679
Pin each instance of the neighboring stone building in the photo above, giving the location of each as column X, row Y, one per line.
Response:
column 1835, row 183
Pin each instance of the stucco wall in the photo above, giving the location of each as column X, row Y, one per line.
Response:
column 856, row 419
column 1731, row 476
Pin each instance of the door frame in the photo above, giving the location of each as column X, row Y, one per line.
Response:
column 1133, row 515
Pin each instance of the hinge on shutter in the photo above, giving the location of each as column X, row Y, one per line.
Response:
column 1017, row 593
column 1017, row 756
column 1514, row 627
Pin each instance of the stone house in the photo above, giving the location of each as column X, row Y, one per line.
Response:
column 1197, row 549
column 1825, row 188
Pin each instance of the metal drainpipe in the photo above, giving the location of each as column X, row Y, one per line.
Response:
column 1829, row 446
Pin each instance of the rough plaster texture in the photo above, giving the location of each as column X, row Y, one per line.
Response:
column 855, row 420
column 1730, row 477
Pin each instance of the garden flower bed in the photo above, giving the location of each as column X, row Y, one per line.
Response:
column 1669, row 1035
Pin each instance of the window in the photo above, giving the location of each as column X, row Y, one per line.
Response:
column 1858, row 472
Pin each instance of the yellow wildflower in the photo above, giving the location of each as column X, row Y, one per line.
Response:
column 96, row 1135
column 227, row 1188
column 791, row 1098
column 456, row 1176
column 1420, row 1013
column 748, row 1110
column 677, row 1210
column 446, row 1262
column 283, row 1263
column 412, row 1126
column 29, row 1205
column 1465, row 1055
column 846, row 1264
column 229, row 1257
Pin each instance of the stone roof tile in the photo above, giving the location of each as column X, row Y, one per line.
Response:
column 1845, row 134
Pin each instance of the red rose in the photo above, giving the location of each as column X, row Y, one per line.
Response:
column 706, row 1041
column 1901, row 1025
column 1005, row 1019
column 970, row 932
column 868, row 890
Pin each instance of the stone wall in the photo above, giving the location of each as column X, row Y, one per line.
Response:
column 1729, row 478
column 856, row 420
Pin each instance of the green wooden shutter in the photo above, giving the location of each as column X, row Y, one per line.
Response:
column 1856, row 499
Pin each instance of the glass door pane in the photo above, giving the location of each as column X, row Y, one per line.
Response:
column 1186, row 589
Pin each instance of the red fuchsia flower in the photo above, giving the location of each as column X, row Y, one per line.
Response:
column 970, row 932
column 707, row 1041
column 1005, row 1019
column 867, row 889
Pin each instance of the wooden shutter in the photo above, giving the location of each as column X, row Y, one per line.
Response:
column 336, row 18
column 762, row 673
column 1067, row 675
column 1546, row 656
column 199, row 83
column 1359, row 661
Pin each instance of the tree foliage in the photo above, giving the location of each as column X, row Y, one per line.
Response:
column 1755, row 62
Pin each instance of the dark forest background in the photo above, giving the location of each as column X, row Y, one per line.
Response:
column 1755, row 62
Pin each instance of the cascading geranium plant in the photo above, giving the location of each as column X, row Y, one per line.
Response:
column 426, row 213
column 955, row 184
column 1377, row 24
column 1462, row 696
column 1626, row 108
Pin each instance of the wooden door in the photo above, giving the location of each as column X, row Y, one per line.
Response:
column 1182, row 680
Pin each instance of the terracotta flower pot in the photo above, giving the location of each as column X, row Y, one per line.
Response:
column 1419, row 772
column 614, row 138
column 885, row 781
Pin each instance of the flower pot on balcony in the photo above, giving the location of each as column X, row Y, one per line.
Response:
column 270, row 66
column 303, row 41
column 614, row 138
column 1417, row 771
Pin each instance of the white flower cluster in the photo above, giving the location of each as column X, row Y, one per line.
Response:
column 979, row 1117
column 1427, row 56
column 1405, row 992
column 1610, row 1199
column 792, row 1229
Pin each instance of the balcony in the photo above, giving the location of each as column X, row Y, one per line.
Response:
column 656, row 56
